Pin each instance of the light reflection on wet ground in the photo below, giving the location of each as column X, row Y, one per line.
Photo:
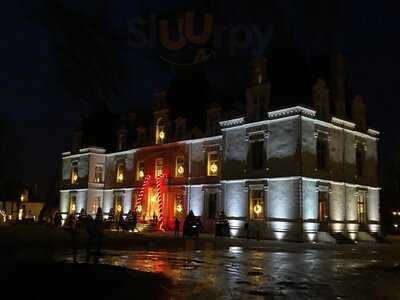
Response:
column 261, row 274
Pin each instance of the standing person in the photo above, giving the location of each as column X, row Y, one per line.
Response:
column 121, row 223
column 177, row 225
column 99, row 215
column 57, row 219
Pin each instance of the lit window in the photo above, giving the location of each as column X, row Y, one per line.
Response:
column 361, row 207
column 98, row 174
column 23, row 198
column 140, row 171
column 160, row 131
column 120, row 173
column 96, row 205
column 322, row 153
column 74, row 175
column 179, row 205
column 212, row 168
column 180, row 166
column 118, row 199
column 257, row 204
column 72, row 205
column 159, row 167
column 360, row 159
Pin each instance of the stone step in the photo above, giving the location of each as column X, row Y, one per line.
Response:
column 342, row 239
column 147, row 227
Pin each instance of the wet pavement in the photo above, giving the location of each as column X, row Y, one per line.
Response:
column 287, row 273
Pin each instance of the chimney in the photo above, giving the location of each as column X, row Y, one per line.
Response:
column 340, row 85
column 359, row 113
column 321, row 99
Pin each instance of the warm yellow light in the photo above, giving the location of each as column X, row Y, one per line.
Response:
column 22, row 198
column 258, row 209
column 161, row 135
column 214, row 168
column 139, row 209
column 20, row 214
column 75, row 178
column 73, row 208
column 179, row 208
column 141, row 174
column 181, row 170
column 120, row 177
column 119, row 208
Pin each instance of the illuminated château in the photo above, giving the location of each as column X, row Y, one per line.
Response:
column 297, row 173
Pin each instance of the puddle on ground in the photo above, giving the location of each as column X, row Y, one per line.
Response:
column 258, row 274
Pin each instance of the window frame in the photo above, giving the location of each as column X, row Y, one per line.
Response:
column 158, row 168
column 72, row 201
column 260, row 200
column 74, row 171
column 140, row 167
column 211, row 161
column 120, row 171
column 180, row 161
column 96, row 200
column 95, row 179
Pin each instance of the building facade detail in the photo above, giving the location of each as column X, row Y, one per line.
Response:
column 289, row 174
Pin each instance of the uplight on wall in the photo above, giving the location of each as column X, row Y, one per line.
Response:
column 139, row 209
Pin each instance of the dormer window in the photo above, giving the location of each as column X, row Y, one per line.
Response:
column 120, row 173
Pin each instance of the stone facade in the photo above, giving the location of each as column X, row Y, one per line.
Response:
column 289, row 175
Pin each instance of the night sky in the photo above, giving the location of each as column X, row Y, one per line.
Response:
column 41, row 115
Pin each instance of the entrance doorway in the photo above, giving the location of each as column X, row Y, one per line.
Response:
column 153, row 208
column 72, row 204
column 323, row 210
column 118, row 199
column 361, row 207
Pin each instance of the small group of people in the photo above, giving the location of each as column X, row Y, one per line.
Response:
column 114, row 221
column 192, row 225
column 118, row 221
